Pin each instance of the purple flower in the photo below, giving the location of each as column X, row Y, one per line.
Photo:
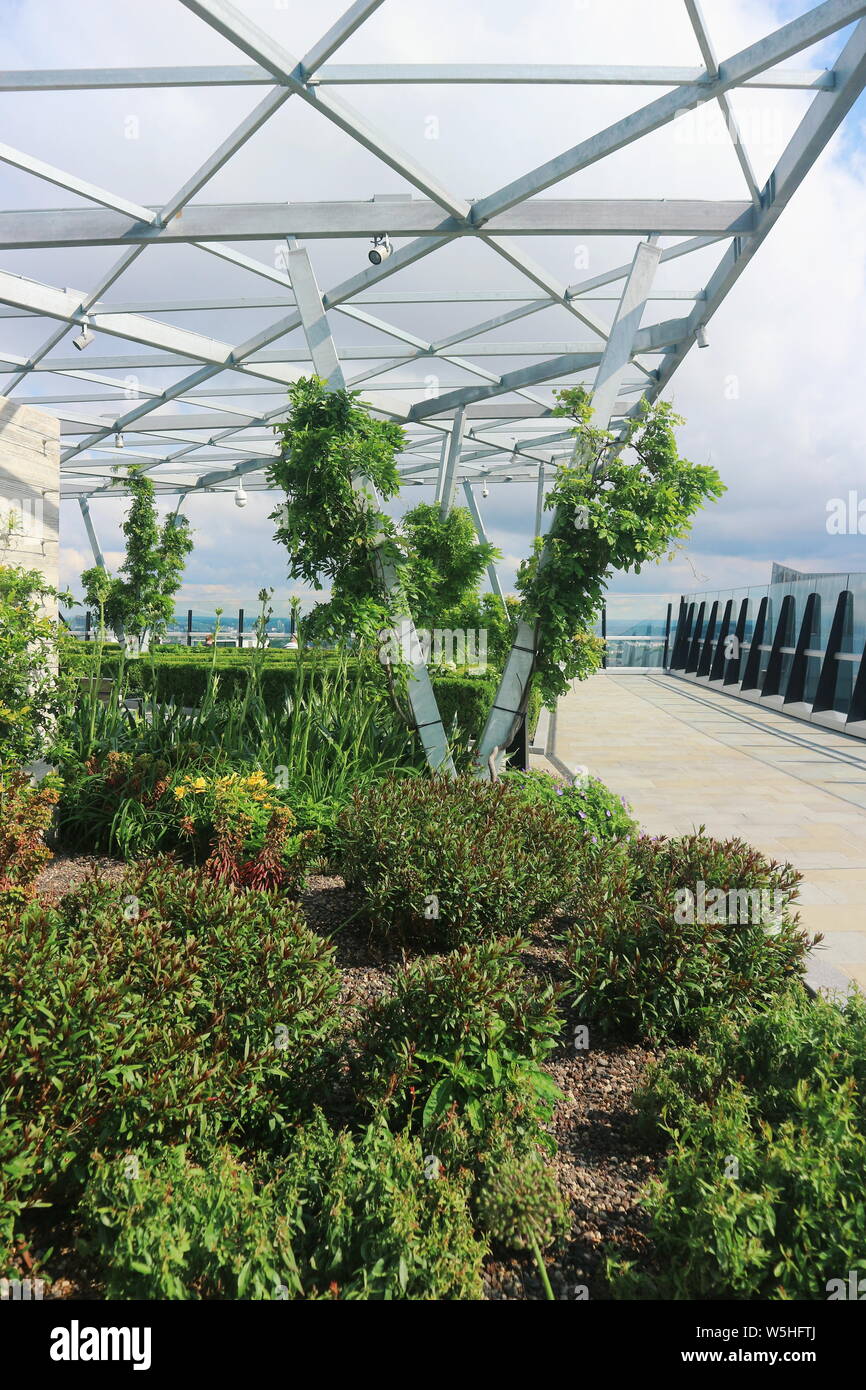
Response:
column 582, row 815
column 595, row 839
column 607, row 813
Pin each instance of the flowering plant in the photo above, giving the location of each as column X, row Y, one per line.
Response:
column 599, row 813
column 238, row 824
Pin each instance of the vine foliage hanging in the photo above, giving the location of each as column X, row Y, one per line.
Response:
column 617, row 506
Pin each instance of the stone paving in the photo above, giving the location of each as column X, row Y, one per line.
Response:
column 686, row 755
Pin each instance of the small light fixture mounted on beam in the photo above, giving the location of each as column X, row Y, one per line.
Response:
column 240, row 495
column 701, row 337
column 85, row 337
column 118, row 440
column 380, row 250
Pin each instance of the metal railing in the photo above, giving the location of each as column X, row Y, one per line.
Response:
column 797, row 646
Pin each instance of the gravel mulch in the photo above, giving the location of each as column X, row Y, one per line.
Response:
column 67, row 871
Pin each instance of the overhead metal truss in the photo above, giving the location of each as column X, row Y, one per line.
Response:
column 199, row 413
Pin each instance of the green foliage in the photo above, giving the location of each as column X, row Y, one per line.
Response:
column 761, row 1196
column 455, row 861
column 346, row 1218
column 324, row 727
column 31, row 694
column 25, row 814
column 610, row 514
column 520, row 1205
column 641, row 969
column 165, row 1226
column 445, row 563
column 597, row 812
column 241, row 827
column 327, row 529
column 167, row 1008
column 456, row 1050
column 139, row 602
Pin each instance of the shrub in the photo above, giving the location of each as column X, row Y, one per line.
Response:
column 347, row 1218
column 655, row 955
column 239, row 825
column 597, row 812
column 25, row 814
column 455, row 861
column 166, row 1008
column 31, row 694
column 762, row 1193
column 456, row 1051
column 382, row 1228
column 167, row 1227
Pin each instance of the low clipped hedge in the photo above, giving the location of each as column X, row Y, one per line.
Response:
column 182, row 676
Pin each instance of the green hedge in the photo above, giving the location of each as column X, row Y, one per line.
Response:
column 183, row 678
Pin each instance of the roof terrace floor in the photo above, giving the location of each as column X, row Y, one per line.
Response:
column 687, row 755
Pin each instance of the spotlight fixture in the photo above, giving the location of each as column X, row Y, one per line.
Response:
column 701, row 337
column 118, row 440
column 85, row 337
column 240, row 495
column 485, row 491
column 380, row 250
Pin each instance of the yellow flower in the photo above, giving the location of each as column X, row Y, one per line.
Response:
column 179, row 792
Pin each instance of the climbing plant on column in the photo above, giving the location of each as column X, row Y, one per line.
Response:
column 619, row 506
column 330, row 533
column 331, row 530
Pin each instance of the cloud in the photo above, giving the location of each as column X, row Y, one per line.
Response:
column 775, row 400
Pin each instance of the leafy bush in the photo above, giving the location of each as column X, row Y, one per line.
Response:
column 348, row 1218
column 240, row 827
column 165, row 1008
column 25, row 814
column 455, row 861
column 597, row 812
column 762, row 1193
column 658, row 947
column 31, row 694
column 456, row 1051
column 165, row 1226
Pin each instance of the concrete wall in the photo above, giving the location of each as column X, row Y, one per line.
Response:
column 30, row 488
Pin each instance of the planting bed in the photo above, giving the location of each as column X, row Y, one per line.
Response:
column 600, row 1166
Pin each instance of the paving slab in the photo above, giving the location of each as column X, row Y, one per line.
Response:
column 685, row 756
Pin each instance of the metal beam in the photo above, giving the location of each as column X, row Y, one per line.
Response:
column 492, row 572
column 234, row 222
column 510, row 701
column 388, row 74
column 449, row 481
column 91, row 532
column 791, row 38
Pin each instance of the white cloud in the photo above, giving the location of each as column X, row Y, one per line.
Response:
column 790, row 333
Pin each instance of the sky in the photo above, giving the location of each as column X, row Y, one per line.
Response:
column 775, row 400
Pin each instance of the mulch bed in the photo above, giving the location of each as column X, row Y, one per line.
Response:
column 600, row 1167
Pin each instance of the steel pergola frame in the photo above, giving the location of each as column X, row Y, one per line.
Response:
column 476, row 423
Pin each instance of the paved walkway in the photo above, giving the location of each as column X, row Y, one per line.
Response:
column 685, row 755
